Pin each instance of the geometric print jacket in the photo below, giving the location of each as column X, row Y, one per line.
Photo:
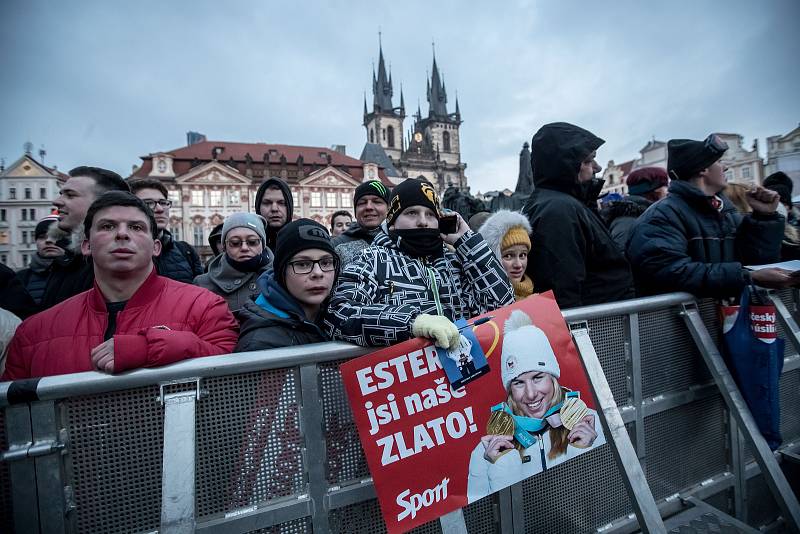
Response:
column 379, row 294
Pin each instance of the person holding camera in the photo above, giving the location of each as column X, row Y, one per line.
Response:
column 695, row 240
column 408, row 284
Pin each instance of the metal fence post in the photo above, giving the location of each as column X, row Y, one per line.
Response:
column 47, row 448
column 178, row 475
column 311, row 421
column 738, row 468
column 644, row 505
column 776, row 482
column 21, row 468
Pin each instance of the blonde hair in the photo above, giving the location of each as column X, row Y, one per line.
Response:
column 737, row 193
column 558, row 436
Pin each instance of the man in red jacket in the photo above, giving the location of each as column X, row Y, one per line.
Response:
column 132, row 317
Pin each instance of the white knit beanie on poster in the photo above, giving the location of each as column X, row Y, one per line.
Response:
column 525, row 348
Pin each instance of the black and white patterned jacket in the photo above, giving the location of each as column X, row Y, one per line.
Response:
column 379, row 295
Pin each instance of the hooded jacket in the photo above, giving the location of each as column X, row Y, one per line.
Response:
column 380, row 293
column 236, row 287
column 163, row 322
column 621, row 216
column 683, row 243
column 573, row 253
column 352, row 241
column 178, row 260
column 272, row 234
column 275, row 320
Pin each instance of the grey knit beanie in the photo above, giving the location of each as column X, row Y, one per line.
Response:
column 251, row 221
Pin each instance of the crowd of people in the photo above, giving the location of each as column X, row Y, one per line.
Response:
column 110, row 289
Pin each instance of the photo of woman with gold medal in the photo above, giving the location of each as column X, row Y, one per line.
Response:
column 541, row 423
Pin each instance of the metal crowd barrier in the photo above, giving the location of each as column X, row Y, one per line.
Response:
column 265, row 442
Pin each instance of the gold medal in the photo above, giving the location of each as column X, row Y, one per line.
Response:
column 572, row 412
column 500, row 424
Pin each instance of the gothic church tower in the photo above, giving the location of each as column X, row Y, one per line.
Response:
column 384, row 124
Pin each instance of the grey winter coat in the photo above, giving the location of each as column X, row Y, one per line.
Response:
column 352, row 242
column 236, row 287
column 380, row 294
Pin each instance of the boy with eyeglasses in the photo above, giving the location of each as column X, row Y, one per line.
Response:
column 178, row 259
column 233, row 274
column 294, row 296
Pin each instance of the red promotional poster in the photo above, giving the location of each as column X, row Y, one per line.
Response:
column 522, row 405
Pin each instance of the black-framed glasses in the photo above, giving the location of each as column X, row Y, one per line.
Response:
column 236, row 242
column 164, row 203
column 715, row 144
column 326, row 264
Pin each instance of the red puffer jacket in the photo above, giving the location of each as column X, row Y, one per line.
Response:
column 163, row 322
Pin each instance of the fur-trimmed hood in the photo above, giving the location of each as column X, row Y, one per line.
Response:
column 496, row 227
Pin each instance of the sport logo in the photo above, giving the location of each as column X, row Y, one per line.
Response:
column 379, row 187
column 313, row 232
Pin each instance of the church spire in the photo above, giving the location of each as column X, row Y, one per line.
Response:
column 402, row 102
column 437, row 96
column 382, row 86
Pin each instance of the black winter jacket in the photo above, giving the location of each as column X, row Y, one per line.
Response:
column 683, row 243
column 34, row 278
column 621, row 216
column 70, row 274
column 275, row 320
column 178, row 260
column 572, row 251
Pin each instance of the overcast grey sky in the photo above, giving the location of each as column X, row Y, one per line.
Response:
column 104, row 82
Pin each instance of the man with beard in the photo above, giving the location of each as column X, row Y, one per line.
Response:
column 34, row 278
column 274, row 203
column 178, row 259
column 371, row 200
column 72, row 273
column 572, row 251
column 408, row 284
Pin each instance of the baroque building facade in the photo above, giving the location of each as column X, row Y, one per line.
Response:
column 430, row 149
column 783, row 154
column 209, row 180
column 27, row 191
column 742, row 165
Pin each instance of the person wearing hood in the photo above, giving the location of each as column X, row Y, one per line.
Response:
column 371, row 201
column 695, row 240
column 574, row 254
column 508, row 235
column 407, row 284
column 292, row 297
column 274, row 203
column 178, row 259
column 233, row 274
column 645, row 186
column 34, row 278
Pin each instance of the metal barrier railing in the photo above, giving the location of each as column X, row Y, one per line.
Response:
column 266, row 439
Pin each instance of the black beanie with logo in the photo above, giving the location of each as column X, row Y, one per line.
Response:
column 299, row 235
column 412, row 192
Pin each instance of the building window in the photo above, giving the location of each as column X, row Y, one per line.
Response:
column 42, row 193
column 330, row 200
column 3, row 258
column 28, row 193
column 390, row 137
column 235, row 198
column 198, row 236
column 33, row 215
column 24, row 237
column 24, row 214
column 295, row 199
column 25, row 260
column 729, row 175
column 174, row 196
column 215, row 197
column 12, row 193
column 2, row 215
column 197, row 197
column 176, row 232
column 371, row 135
column 346, row 200
column 446, row 141
column 746, row 172
column 383, row 132
column 316, row 199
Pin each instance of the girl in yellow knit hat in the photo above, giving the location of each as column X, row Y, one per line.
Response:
column 508, row 235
